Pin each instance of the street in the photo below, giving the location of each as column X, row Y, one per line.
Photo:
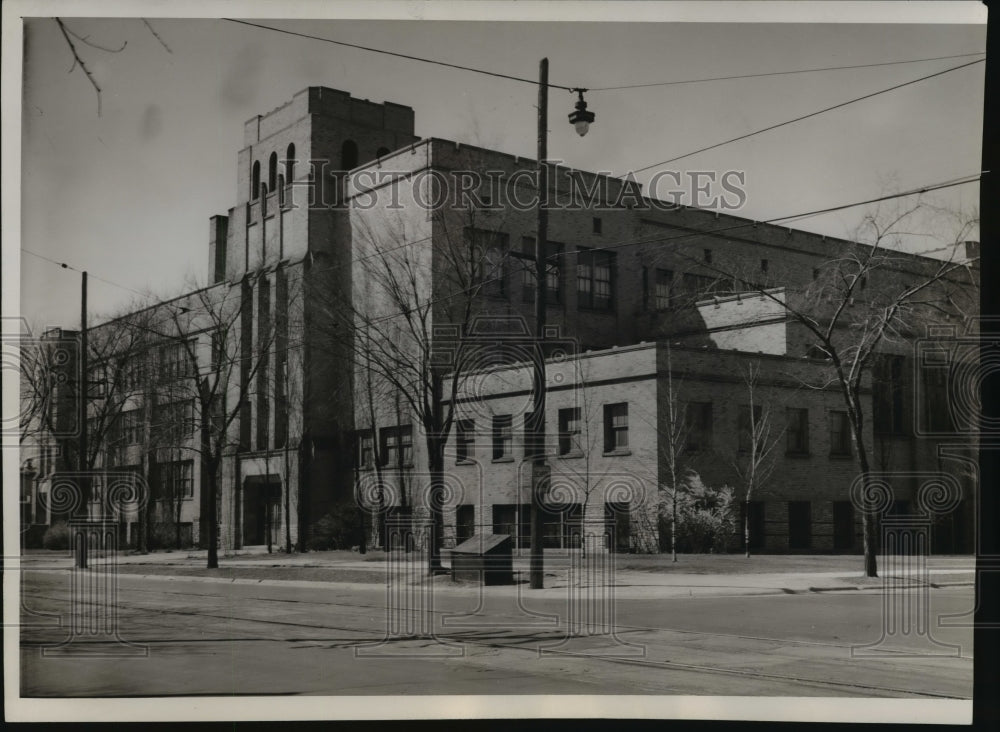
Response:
column 194, row 637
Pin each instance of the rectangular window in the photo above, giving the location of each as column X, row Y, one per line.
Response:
column 569, row 431
column 615, row 427
column 799, row 525
column 763, row 266
column 887, row 394
column 663, row 287
column 366, row 450
column 505, row 519
column 173, row 422
column 175, row 361
column 698, row 417
column 265, row 339
column 218, row 349
column 708, row 256
column 843, row 526
column 595, row 279
column 745, row 427
column 553, row 271
column 597, row 225
column 134, row 376
column 503, row 436
column 936, row 415
column 127, row 428
column 797, row 431
column 465, row 440
column 752, row 522
column 177, row 479
column 489, row 252
column 465, row 522
column 397, row 446
column 840, row 433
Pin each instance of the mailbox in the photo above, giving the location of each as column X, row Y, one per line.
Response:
column 486, row 558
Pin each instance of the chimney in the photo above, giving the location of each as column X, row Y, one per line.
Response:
column 971, row 249
column 218, row 229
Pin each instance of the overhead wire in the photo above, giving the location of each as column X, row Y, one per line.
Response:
column 805, row 116
column 783, row 73
column 397, row 54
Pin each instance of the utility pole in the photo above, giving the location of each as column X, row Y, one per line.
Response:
column 84, row 484
column 287, row 485
column 539, row 467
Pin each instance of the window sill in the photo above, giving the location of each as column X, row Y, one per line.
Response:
column 506, row 459
column 570, row 456
column 465, row 461
column 616, row 453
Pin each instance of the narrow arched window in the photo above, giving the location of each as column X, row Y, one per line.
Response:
column 382, row 152
column 348, row 155
column 272, row 171
column 255, row 181
column 290, row 164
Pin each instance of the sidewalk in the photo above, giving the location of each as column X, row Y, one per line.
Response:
column 656, row 579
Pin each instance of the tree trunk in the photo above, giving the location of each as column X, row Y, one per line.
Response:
column 177, row 522
column 213, row 520
column 869, row 518
column 746, row 526
column 869, row 522
column 434, row 497
column 673, row 527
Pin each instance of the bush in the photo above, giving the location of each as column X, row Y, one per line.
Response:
column 56, row 536
column 705, row 517
column 335, row 530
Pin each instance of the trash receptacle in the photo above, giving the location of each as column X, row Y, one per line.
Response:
column 486, row 558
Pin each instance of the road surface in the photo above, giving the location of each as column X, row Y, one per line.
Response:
column 189, row 637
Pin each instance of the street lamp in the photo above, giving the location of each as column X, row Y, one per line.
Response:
column 581, row 119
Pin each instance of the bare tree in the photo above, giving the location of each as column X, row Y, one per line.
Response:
column 213, row 364
column 849, row 322
column 409, row 323
column 672, row 446
column 74, row 40
column 753, row 460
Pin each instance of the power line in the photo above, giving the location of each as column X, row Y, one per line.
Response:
column 594, row 89
column 807, row 116
column 951, row 183
column 782, row 73
column 395, row 53
column 89, row 273
column 478, row 287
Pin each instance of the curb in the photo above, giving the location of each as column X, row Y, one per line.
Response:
column 315, row 584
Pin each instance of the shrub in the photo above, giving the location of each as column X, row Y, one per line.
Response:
column 335, row 530
column 705, row 518
column 56, row 536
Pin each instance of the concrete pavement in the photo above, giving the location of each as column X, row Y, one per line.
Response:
column 663, row 581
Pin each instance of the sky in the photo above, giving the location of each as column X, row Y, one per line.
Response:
column 127, row 195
